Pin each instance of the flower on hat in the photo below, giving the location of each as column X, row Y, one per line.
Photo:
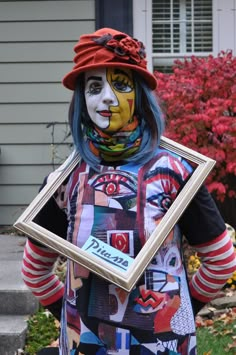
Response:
column 124, row 46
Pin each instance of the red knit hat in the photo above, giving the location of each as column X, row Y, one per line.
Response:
column 108, row 48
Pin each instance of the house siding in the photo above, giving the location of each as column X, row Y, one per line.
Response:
column 224, row 25
column 36, row 50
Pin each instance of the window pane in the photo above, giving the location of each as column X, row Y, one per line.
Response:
column 176, row 10
column 203, row 37
column 162, row 41
column 161, row 10
column 181, row 26
column 176, row 38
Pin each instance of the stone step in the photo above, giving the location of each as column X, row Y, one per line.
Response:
column 17, row 302
column 12, row 333
column 15, row 297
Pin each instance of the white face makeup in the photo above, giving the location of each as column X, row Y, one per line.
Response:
column 109, row 96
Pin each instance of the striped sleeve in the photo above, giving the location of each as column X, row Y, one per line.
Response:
column 38, row 275
column 218, row 262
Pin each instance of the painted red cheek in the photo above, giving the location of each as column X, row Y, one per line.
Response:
column 130, row 102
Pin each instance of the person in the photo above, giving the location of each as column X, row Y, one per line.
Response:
column 118, row 193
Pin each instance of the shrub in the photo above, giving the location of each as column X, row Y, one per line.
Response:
column 42, row 331
column 199, row 102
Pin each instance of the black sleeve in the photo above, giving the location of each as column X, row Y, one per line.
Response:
column 201, row 221
column 52, row 218
column 197, row 306
column 55, row 308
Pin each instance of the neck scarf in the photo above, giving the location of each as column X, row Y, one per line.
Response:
column 117, row 146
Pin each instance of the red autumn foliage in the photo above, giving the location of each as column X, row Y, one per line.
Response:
column 199, row 103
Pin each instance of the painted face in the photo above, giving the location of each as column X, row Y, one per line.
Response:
column 109, row 96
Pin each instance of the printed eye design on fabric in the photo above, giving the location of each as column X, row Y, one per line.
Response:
column 111, row 188
column 115, row 184
column 160, row 200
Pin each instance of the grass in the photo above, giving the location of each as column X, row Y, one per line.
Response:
column 209, row 344
column 217, row 336
column 220, row 344
column 214, row 337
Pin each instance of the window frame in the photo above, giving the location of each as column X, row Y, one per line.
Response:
column 142, row 22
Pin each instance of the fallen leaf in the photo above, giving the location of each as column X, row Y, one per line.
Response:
column 232, row 345
column 212, row 309
column 57, row 323
column 226, row 332
column 54, row 344
column 209, row 322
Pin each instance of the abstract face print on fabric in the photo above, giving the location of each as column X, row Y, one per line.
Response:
column 109, row 96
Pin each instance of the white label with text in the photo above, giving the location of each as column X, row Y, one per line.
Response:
column 107, row 253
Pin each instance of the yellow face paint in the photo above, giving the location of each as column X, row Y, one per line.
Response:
column 122, row 84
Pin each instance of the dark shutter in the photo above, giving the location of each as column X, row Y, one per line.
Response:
column 116, row 14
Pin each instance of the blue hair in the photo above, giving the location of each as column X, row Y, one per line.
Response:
column 146, row 109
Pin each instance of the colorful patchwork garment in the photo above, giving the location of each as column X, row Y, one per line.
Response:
column 122, row 206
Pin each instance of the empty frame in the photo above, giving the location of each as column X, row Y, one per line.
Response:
column 99, row 257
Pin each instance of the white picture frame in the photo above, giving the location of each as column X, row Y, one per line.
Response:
column 127, row 278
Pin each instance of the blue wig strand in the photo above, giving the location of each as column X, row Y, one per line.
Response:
column 153, row 106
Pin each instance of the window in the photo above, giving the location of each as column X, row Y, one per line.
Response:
column 180, row 28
